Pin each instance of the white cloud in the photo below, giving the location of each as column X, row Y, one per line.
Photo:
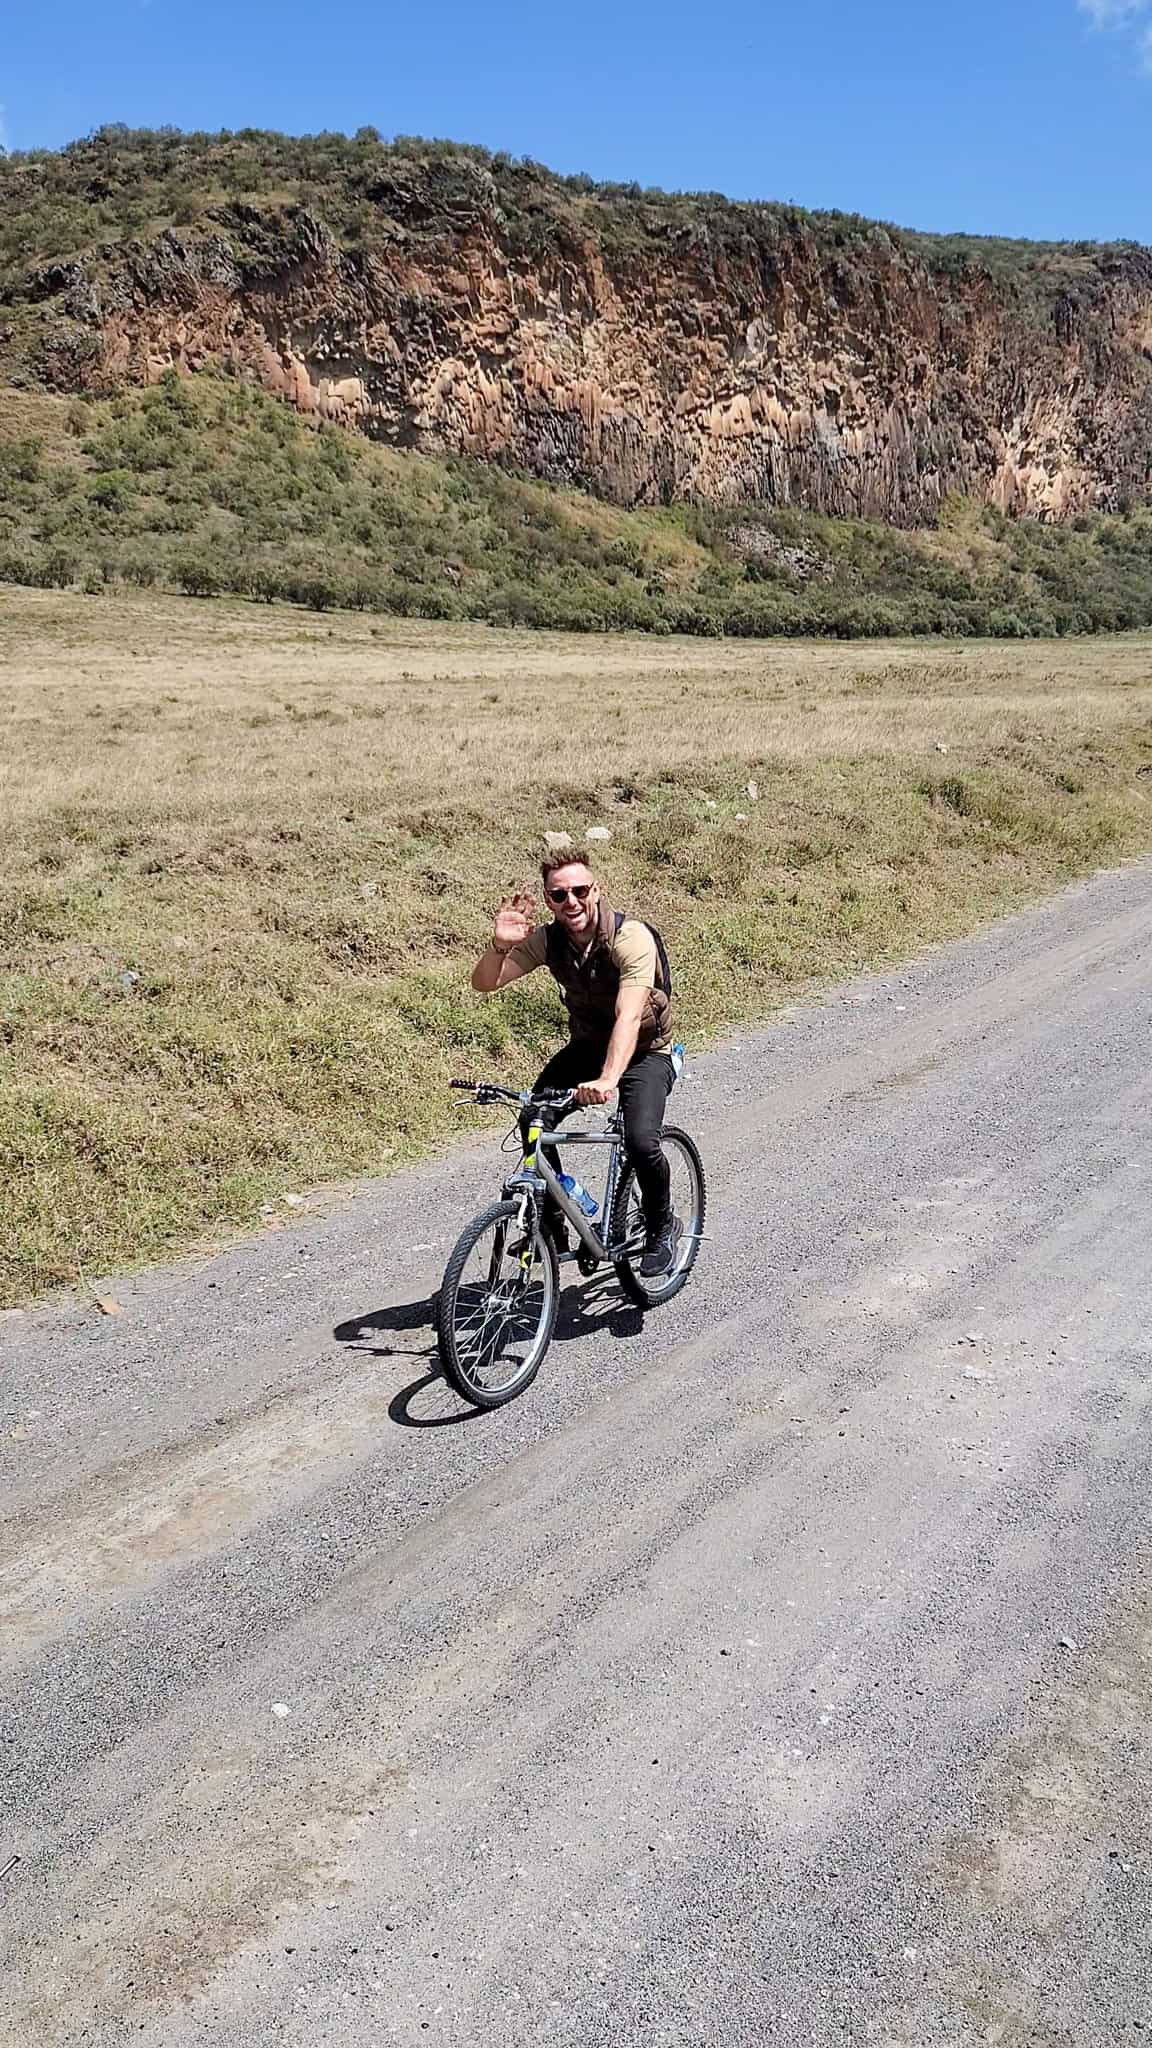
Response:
column 1113, row 13
column 1135, row 16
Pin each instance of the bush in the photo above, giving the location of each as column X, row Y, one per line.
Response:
column 15, row 568
column 60, row 570
column 199, row 579
column 1006, row 625
column 20, row 460
column 319, row 593
column 435, row 604
column 113, row 492
column 686, row 617
column 140, row 570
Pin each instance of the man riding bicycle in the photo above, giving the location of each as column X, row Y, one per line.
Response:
column 614, row 980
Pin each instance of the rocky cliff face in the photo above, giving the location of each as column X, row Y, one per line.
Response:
column 771, row 356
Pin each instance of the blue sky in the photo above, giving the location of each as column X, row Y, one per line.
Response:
column 1026, row 117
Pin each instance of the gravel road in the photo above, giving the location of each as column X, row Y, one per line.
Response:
column 776, row 1671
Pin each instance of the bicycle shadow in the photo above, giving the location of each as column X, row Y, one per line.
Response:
column 428, row 1402
column 369, row 1333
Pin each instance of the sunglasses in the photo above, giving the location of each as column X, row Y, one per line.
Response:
column 580, row 892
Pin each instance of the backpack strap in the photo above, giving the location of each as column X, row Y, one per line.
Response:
column 555, row 937
column 661, row 951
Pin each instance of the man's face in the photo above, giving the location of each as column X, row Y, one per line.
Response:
column 573, row 899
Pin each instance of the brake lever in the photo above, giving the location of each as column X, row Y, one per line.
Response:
column 556, row 1098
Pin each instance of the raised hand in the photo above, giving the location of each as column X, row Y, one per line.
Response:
column 515, row 919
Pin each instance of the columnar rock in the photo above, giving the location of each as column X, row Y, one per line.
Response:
column 650, row 351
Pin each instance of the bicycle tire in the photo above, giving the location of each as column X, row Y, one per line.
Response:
column 648, row 1295
column 452, row 1358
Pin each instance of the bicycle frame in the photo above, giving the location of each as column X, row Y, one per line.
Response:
column 538, row 1175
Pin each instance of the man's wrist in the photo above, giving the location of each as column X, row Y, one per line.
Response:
column 496, row 947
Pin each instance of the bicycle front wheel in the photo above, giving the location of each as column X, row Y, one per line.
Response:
column 497, row 1307
column 689, row 1200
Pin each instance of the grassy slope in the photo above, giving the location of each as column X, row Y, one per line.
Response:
column 212, row 487
column 250, row 853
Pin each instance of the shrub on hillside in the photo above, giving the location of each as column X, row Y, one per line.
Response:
column 199, row 579
column 265, row 506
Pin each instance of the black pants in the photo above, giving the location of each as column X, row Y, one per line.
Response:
column 644, row 1089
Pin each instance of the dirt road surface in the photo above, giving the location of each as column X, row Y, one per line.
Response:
column 778, row 1671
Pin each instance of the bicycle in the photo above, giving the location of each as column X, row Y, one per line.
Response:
column 494, row 1323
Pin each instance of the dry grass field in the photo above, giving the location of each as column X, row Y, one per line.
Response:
column 250, row 854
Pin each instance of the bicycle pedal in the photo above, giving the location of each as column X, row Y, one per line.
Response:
column 587, row 1262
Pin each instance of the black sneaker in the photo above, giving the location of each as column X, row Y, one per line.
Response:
column 660, row 1249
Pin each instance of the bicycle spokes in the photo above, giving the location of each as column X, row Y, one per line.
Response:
column 497, row 1308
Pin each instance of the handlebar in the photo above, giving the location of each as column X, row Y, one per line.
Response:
column 490, row 1091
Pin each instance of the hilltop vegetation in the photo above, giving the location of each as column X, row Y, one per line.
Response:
column 208, row 486
column 121, row 183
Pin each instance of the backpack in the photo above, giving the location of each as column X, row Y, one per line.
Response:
column 555, row 937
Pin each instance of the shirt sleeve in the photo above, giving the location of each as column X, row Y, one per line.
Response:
column 532, row 952
column 634, row 953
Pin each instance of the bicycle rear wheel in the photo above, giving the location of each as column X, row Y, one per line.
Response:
column 689, row 1200
column 497, row 1307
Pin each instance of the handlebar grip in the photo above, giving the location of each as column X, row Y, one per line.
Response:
column 469, row 1085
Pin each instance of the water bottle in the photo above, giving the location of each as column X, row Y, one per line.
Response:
column 577, row 1194
column 677, row 1060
